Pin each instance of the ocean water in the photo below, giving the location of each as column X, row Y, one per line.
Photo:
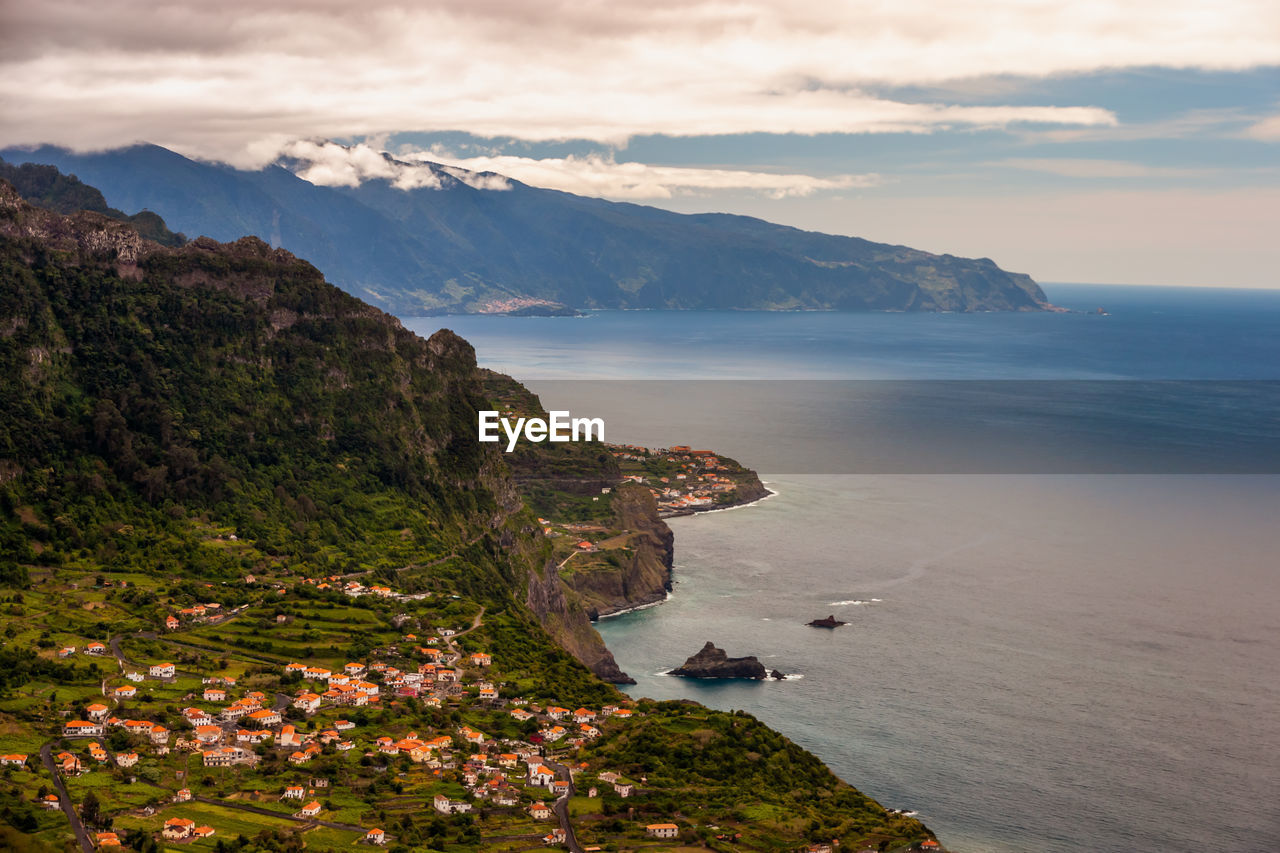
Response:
column 1045, row 660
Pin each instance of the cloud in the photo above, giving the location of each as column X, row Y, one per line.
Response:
column 229, row 80
column 1267, row 130
column 1071, row 167
column 328, row 164
column 599, row 175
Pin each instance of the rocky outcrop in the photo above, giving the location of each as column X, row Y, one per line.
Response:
column 713, row 662
column 829, row 622
column 645, row 576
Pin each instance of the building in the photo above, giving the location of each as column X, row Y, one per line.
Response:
column 177, row 828
column 311, row 809
column 162, row 670
column 662, row 830
column 539, row 811
column 107, row 839
column 81, row 728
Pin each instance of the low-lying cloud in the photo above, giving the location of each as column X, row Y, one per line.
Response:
column 601, row 175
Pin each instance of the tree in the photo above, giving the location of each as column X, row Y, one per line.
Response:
column 90, row 809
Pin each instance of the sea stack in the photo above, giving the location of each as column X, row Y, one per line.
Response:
column 712, row 662
column 830, row 622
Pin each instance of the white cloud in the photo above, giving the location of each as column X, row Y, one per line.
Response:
column 227, row 80
column 328, row 164
column 1072, row 167
column 1268, row 129
column 598, row 175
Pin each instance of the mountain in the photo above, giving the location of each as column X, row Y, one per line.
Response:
column 46, row 187
column 464, row 246
column 214, row 464
column 231, row 380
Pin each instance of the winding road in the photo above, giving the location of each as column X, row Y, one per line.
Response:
column 64, row 799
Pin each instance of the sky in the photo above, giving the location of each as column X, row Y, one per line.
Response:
column 1112, row 142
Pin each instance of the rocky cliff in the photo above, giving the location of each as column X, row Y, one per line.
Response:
column 644, row 577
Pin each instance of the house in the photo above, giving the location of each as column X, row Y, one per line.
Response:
column 582, row 715
column 66, row 652
column 95, row 649
column 202, row 832
column 214, row 694
column 128, row 691
column 81, row 728
column 541, row 776
column 930, row 845
column 183, row 796
column 293, row 792
column 289, row 737
column 227, row 756
column 299, row 758
column 158, row 734
column 444, row 805
column 172, row 623
column 559, row 787
column 662, row 830
column 162, row 670
column 308, row 703
column 555, row 836
column 557, row 713
column 311, row 809
column 375, row 836
column 49, row 801
column 15, row 759
column 176, row 828
column 481, row 659
column 265, row 717
column 623, row 789
column 539, row 811
column 107, row 839
column 208, row 734
column 97, row 712
column 126, row 759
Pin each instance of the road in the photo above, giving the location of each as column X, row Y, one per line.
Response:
column 64, row 800
column 561, row 806
column 245, row 807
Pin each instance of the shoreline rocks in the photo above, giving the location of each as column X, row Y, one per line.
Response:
column 713, row 662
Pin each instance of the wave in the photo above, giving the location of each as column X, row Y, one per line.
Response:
column 854, row 601
column 795, row 676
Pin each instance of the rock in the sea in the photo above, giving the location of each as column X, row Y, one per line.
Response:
column 829, row 622
column 712, row 662
column 777, row 676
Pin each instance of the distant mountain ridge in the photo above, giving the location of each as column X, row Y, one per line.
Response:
column 460, row 249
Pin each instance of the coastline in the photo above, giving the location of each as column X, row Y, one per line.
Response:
column 704, row 511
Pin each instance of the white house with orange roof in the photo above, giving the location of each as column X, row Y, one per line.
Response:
column 81, row 728
column 662, row 830
column 375, row 836
column 97, row 712
column 162, row 670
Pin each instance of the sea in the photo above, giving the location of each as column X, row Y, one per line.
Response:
column 1055, row 538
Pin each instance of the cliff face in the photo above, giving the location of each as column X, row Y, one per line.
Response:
column 645, row 578
column 564, row 617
